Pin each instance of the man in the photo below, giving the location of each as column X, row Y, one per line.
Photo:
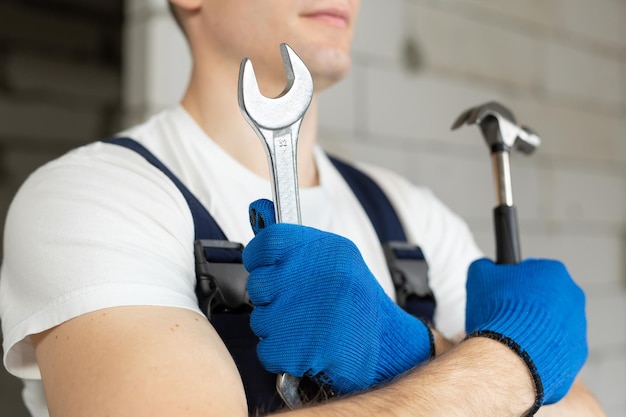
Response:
column 97, row 296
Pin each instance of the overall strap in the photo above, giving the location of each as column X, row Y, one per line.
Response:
column 376, row 204
column 406, row 262
column 220, row 277
column 205, row 226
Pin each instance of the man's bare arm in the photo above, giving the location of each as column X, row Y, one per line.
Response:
column 579, row 401
column 138, row 361
column 477, row 377
column 156, row 361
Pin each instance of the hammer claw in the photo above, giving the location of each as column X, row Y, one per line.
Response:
column 463, row 118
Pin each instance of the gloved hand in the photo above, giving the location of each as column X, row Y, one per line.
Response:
column 320, row 312
column 537, row 310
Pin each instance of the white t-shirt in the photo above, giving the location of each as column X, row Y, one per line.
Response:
column 100, row 227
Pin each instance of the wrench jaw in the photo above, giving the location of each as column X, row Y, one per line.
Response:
column 289, row 106
column 285, row 53
column 248, row 93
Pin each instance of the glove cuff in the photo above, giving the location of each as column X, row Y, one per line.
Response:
column 535, row 343
column 405, row 344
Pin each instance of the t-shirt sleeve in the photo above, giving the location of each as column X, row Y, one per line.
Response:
column 97, row 228
column 445, row 239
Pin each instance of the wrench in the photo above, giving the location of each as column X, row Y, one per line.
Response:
column 276, row 122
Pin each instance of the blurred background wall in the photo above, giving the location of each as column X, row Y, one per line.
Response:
column 73, row 71
column 60, row 87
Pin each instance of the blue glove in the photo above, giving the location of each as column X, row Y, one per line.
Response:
column 536, row 309
column 320, row 312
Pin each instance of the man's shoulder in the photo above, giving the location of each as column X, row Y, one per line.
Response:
column 96, row 159
column 172, row 124
column 94, row 176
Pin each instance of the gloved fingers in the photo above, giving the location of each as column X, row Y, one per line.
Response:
column 532, row 276
column 281, row 319
column 262, row 214
column 267, row 247
column 532, row 266
column 480, row 268
column 263, row 285
column 278, row 355
column 275, row 241
column 262, row 321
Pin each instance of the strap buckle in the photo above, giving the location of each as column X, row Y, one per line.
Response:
column 409, row 272
column 220, row 276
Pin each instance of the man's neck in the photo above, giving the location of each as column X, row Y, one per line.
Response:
column 212, row 102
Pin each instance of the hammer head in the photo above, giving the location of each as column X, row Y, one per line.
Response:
column 499, row 128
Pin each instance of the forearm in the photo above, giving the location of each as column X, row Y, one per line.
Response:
column 477, row 377
column 579, row 402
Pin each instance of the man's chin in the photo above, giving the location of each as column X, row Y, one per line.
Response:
column 328, row 66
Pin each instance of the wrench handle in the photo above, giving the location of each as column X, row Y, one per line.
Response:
column 507, row 235
column 282, row 153
column 281, row 148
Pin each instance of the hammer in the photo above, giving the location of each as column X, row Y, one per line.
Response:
column 502, row 135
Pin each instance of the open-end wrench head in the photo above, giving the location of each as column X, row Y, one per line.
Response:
column 284, row 110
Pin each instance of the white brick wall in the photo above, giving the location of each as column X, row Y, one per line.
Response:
column 574, row 133
column 461, row 45
column 601, row 21
column 578, row 74
column 560, row 65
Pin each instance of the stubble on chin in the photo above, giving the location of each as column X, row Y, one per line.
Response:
column 328, row 66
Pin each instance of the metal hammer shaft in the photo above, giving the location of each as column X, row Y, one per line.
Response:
column 504, row 214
